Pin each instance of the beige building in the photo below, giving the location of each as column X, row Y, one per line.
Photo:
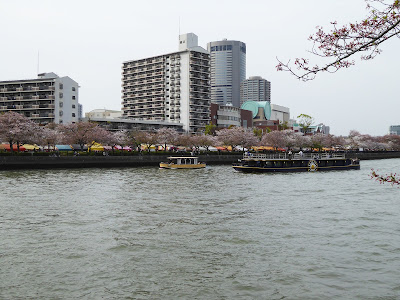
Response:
column 103, row 114
column 171, row 88
column 47, row 99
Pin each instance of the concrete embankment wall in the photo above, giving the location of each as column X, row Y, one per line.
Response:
column 46, row 162
column 374, row 155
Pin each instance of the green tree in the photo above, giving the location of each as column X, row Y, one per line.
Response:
column 210, row 129
column 305, row 121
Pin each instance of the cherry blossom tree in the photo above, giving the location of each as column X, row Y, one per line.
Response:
column 290, row 138
column 16, row 128
column 393, row 141
column 275, row 139
column 249, row 139
column 302, row 141
column 229, row 137
column 237, row 136
column 342, row 44
column 147, row 138
column 207, row 141
column 119, row 137
column 318, row 141
column 49, row 136
column 83, row 133
column 166, row 136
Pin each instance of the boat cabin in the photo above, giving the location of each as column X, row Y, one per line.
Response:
column 191, row 160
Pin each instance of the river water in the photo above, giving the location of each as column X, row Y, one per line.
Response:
column 148, row 233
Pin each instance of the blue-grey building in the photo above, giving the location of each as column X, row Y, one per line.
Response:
column 394, row 129
column 228, row 70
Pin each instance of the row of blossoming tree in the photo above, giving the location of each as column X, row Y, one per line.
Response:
column 16, row 129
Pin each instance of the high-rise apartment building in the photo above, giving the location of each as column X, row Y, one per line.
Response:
column 255, row 89
column 172, row 87
column 228, row 70
column 47, row 99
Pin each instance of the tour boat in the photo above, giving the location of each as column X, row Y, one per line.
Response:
column 299, row 162
column 180, row 162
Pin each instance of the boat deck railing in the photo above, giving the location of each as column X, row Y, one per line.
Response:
column 298, row 156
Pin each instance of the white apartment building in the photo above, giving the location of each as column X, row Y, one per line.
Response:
column 255, row 89
column 47, row 99
column 173, row 87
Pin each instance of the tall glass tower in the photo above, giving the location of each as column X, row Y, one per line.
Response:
column 228, row 70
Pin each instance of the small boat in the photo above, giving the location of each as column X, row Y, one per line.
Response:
column 299, row 162
column 181, row 162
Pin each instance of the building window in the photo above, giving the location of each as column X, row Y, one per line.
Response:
column 61, row 104
column 73, row 97
column 73, row 105
column 61, row 86
column 61, row 95
column 73, row 89
column 73, row 115
column 61, row 113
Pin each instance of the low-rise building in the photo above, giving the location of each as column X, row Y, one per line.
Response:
column 280, row 113
column 320, row 128
column 47, row 99
column 224, row 116
column 103, row 114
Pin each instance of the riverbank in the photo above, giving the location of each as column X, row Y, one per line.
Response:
column 49, row 162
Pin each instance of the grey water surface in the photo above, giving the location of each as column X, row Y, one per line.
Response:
column 148, row 233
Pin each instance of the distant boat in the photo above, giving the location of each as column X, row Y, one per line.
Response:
column 283, row 162
column 180, row 162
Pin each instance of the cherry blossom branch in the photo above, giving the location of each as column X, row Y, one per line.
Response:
column 391, row 178
column 343, row 43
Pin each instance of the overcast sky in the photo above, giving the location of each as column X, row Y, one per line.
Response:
column 88, row 40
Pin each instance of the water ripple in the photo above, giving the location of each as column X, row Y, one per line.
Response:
column 147, row 233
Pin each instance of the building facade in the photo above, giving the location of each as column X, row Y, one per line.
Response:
column 172, row 88
column 224, row 116
column 228, row 70
column 47, row 99
column 394, row 129
column 280, row 113
column 255, row 89
column 115, row 124
column 103, row 114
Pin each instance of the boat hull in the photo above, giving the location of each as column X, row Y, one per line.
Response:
column 182, row 166
column 247, row 169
